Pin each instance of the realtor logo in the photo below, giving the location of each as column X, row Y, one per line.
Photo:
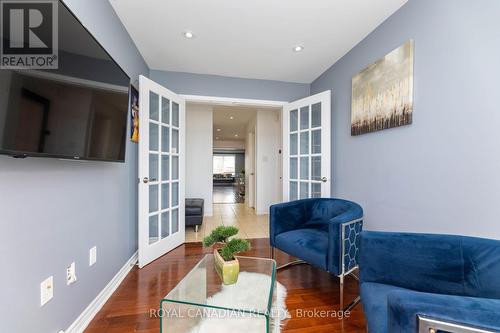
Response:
column 29, row 33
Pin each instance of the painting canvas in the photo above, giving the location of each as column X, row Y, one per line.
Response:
column 382, row 93
column 134, row 114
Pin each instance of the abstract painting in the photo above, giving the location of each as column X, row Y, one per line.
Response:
column 382, row 93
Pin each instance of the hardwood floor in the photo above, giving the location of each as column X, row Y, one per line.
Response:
column 309, row 289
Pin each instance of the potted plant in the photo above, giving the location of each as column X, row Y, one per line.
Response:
column 226, row 264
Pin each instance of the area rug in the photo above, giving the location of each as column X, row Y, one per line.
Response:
column 252, row 291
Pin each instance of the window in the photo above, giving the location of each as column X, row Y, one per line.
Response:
column 224, row 164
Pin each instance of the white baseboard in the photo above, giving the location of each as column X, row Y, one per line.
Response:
column 84, row 319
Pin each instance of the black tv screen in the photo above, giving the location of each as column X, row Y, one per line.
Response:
column 78, row 111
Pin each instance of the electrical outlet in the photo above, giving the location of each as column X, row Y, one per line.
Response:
column 46, row 290
column 71, row 274
column 93, row 256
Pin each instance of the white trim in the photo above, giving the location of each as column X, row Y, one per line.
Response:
column 233, row 101
column 84, row 319
column 74, row 80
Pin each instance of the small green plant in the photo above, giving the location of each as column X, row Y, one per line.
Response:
column 231, row 247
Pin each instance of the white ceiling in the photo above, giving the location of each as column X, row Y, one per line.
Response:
column 229, row 127
column 250, row 38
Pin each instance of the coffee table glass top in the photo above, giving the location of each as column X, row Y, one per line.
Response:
column 203, row 287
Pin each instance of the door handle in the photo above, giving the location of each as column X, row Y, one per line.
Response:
column 324, row 179
column 147, row 180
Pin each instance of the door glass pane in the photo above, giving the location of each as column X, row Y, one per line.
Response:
column 293, row 168
column 175, row 141
column 316, row 141
column 154, row 105
column 165, row 196
column 316, row 190
column 304, row 190
column 153, row 229
column 316, row 168
column 175, row 194
column 304, row 117
column 175, row 167
column 293, row 144
column 153, row 137
column 165, row 139
column 165, row 110
column 294, row 118
column 153, row 167
column 293, row 191
column 165, row 224
column 175, row 221
column 175, row 114
column 304, row 168
column 304, row 143
column 316, row 115
column 153, row 198
column 165, row 167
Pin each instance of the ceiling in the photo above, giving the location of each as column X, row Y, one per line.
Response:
column 250, row 39
column 229, row 127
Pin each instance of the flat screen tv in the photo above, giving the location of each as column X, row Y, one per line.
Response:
column 78, row 111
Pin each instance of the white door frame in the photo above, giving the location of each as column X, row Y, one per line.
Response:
column 250, row 186
column 215, row 100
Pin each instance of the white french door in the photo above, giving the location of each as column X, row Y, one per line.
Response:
column 161, row 170
column 306, row 148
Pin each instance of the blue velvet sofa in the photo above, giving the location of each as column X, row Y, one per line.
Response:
column 408, row 280
column 323, row 232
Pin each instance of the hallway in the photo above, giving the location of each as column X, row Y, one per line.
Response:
column 239, row 215
column 227, row 195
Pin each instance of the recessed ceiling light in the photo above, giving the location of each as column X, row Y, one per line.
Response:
column 231, row 117
column 236, row 135
column 188, row 34
column 218, row 130
column 298, row 48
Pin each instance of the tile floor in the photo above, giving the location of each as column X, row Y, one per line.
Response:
column 239, row 215
column 227, row 194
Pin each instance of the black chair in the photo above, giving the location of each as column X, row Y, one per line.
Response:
column 194, row 212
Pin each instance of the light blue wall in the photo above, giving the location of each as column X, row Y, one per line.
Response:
column 53, row 212
column 440, row 174
column 223, row 86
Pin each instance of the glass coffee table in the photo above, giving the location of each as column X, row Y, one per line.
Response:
column 202, row 303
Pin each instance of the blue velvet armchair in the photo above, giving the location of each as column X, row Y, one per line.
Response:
column 429, row 283
column 323, row 232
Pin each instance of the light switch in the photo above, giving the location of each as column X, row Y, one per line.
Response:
column 71, row 274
